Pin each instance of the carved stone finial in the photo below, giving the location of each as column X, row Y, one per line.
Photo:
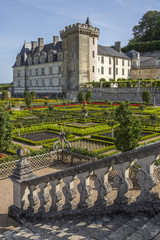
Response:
column 22, row 170
column 63, row 140
column 22, row 152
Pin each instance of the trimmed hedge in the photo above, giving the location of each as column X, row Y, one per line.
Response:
column 96, row 136
column 33, row 143
column 150, row 136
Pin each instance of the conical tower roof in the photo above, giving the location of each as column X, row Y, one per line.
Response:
column 88, row 22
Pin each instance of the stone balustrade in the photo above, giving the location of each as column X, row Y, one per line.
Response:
column 86, row 187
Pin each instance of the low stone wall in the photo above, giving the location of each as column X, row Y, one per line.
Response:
column 70, row 191
column 118, row 94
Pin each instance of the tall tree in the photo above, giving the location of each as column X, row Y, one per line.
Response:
column 5, row 130
column 129, row 130
column 88, row 96
column 148, row 28
column 28, row 99
column 80, row 97
column 146, row 97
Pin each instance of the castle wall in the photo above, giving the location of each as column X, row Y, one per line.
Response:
column 84, row 72
column 119, row 94
column 93, row 70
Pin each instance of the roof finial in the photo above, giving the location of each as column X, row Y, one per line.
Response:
column 88, row 22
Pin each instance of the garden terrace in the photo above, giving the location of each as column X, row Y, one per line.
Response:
column 69, row 117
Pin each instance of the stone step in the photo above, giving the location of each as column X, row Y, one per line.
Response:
column 150, row 230
column 114, row 227
column 127, row 229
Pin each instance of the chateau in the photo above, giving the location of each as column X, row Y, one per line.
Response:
column 61, row 66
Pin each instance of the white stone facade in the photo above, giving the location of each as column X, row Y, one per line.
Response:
column 64, row 65
column 109, row 67
column 41, row 78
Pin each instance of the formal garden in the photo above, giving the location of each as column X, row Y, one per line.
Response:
column 96, row 129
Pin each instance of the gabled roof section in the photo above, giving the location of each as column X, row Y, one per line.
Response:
column 108, row 51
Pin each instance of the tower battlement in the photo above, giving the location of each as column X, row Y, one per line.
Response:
column 79, row 28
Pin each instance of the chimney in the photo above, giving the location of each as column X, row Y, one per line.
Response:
column 34, row 45
column 40, row 44
column 118, row 46
column 55, row 40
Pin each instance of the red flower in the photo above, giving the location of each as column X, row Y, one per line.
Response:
column 2, row 155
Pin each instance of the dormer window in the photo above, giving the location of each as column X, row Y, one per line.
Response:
column 42, row 59
column 36, row 60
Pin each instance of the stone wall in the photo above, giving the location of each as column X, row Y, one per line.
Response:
column 146, row 73
column 118, row 94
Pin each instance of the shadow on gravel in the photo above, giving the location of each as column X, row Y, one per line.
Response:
column 7, row 223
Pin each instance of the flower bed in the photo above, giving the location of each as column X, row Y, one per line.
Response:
column 2, row 155
column 40, row 136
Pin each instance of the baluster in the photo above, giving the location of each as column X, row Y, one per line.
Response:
column 56, row 195
column 146, row 178
column 44, row 197
column 102, row 185
column 69, row 193
column 123, row 183
column 33, row 198
column 25, row 201
column 85, row 190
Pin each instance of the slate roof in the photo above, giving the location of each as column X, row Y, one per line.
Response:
column 132, row 54
column 88, row 22
column 108, row 51
column 49, row 46
column 149, row 61
column 144, row 59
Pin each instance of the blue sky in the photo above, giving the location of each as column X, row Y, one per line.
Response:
column 26, row 20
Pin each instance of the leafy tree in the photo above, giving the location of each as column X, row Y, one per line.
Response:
column 153, row 119
column 148, row 28
column 5, row 131
column 25, row 93
column 88, row 96
column 33, row 94
column 146, row 97
column 4, row 94
column 80, row 97
column 129, row 130
column 28, row 99
column 142, row 107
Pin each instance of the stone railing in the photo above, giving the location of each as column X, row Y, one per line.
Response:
column 86, row 188
column 45, row 160
column 36, row 162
